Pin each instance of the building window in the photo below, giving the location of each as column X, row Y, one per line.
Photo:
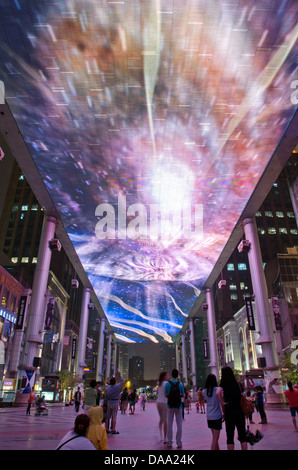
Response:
column 280, row 215
column 230, row 267
column 268, row 214
column 243, row 286
column 271, row 231
column 234, row 297
column 242, row 267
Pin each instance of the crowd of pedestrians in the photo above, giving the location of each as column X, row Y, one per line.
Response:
column 221, row 402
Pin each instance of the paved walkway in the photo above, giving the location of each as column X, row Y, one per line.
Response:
column 136, row 432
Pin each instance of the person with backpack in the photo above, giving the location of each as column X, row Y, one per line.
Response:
column 174, row 392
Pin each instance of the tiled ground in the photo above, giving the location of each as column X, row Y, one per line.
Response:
column 136, row 432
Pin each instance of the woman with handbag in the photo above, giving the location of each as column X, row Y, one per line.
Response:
column 229, row 394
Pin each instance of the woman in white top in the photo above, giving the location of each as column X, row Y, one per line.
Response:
column 214, row 410
column 75, row 439
column 162, row 405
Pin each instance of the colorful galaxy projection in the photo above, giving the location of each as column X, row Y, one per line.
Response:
column 150, row 123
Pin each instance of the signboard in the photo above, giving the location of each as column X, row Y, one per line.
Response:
column 50, row 313
column 205, row 347
column 89, row 347
column 221, row 349
column 21, row 313
column 74, row 347
column 250, row 315
column 276, row 313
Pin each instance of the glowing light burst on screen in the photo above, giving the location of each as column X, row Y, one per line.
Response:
column 151, row 124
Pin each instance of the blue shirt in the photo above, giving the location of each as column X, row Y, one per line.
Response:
column 113, row 391
column 168, row 387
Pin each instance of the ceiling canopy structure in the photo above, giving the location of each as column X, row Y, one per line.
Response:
column 150, row 124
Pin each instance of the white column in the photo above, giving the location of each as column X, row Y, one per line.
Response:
column 266, row 338
column 63, row 313
column 193, row 353
column 101, row 339
column 212, row 333
column 109, row 354
column 19, row 333
column 184, row 365
column 83, row 330
column 177, row 355
column 113, row 368
column 36, row 317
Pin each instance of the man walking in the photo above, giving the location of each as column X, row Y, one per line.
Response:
column 174, row 392
column 77, row 398
column 112, row 395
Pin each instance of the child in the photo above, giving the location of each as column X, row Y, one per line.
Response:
column 201, row 400
column 96, row 432
column 250, row 398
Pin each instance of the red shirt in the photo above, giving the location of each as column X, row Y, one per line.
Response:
column 292, row 398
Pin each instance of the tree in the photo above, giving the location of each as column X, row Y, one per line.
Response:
column 289, row 369
column 68, row 380
column 237, row 374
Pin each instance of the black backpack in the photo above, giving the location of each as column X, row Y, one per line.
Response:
column 174, row 396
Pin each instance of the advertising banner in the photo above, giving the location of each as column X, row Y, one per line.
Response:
column 276, row 313
column 250, row 315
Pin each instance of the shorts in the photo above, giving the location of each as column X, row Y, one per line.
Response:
column 112, row 409
column 215, row 424
column 293, row 411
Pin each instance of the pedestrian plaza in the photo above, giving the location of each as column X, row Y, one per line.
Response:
column 138, row 432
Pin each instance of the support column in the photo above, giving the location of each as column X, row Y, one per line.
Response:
column 272, row 373
column 37, row 311
column 114, row 361
column 109, row 354
column 193, row 353
column 83, row 331
column 177, row 355
column 260, row 291
column 101, row 339
column 212, row 333
column 184, row 365
column 19, row 333
column 36, row 317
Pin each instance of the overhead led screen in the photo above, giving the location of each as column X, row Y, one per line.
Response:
column 150, row 123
